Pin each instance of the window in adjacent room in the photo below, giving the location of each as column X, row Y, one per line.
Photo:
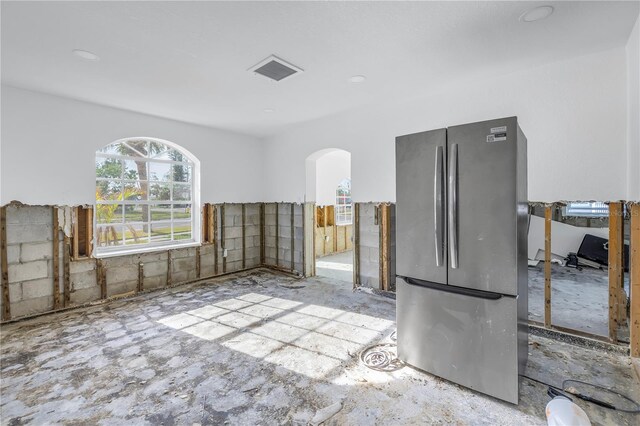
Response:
column 344, row 215
column 146, row 197
column 587, row 209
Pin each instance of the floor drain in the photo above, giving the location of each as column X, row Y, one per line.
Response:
column 381, row 357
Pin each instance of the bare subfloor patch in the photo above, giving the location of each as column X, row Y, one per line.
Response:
column 255, row 348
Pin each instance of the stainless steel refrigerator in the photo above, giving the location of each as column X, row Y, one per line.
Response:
column 461, row 244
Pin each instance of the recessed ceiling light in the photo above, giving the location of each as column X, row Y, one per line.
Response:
column 357, row 79
column 269, row 110
column 536, row 14
column 85, row 54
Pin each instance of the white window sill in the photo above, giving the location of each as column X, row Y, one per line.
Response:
column 143, row 250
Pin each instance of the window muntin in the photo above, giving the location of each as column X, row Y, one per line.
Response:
column 145, row 197
column 344, row 209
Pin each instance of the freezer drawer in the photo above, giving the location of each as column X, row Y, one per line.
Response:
column 468, row 340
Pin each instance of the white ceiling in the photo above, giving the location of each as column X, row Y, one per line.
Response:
column 188, row 60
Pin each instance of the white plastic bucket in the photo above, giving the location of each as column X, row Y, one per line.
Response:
column 562, row 412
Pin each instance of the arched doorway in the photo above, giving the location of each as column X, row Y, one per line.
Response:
column 328, row 185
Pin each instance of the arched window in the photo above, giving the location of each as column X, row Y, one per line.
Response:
column 344, row 214
column 146, row 196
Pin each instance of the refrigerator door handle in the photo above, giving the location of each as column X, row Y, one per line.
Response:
column 437, row 206
column 480, row 294
column 453, row 206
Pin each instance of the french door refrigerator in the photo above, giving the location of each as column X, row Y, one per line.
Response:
column 461, row 244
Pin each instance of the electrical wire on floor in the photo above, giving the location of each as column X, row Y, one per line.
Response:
column 554, row 391
column 381, row 357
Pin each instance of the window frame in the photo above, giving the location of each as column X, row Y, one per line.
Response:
column 123, row 249
column 343, row 209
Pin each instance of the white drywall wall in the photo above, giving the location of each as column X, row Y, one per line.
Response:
column 574, row 114
column 331, row 169
column 49, row 143
column 633, row 113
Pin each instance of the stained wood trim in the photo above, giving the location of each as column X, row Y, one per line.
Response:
column 262, row 249
column 547, row 265
column 89, row 235
column 385, row 227
column 616, row 266
column 214, row 212
column 198, row 262
column 315, row 221
column 141, row 277
column 324, row 225
column 56, row 259
column 76, row 233
column 277, row 234
column 634, row 281
column 356, row 245
column 67, row 276
column 303, row 206
column 211, row 223
column 223, row 242
column 6, row 298
column 101, row 276
column 244, row 236
column 292, row 237
column 169, row 268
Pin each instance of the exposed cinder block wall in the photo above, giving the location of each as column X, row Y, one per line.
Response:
column 30, row 258
column 369, row 259
column 370, row 239
column 278, row 250
column 243, row 250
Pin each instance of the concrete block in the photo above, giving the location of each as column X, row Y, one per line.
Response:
column 234, row 266
column 374, row 255
column 28, row 271
column 269, row 208
column 229, row 244
column 233, row 232
column 29, row 233
column 207, row 260
column 36, row 251
column 78, row 266
column 26, row 215
column 157, row 281
column 252, row 231
column 115, row 262
column 116, row 288
column 256, row 241
column 368, row 240
column 82, row 280
column 121, row 274
column 31, row 306
column 153, row 269
column 207, row 249
column 13, row 253
column 234, row 255
column 152, row 257
column 85, row 295
column 15, row 292
column 184, row 264
column 182, row 253
column 207, row 271
column 37, row 288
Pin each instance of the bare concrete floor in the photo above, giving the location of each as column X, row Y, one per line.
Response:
column 257, row 348
column 337, row 266
column 579, row 299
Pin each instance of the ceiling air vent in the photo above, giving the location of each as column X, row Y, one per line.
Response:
column 275, row 69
